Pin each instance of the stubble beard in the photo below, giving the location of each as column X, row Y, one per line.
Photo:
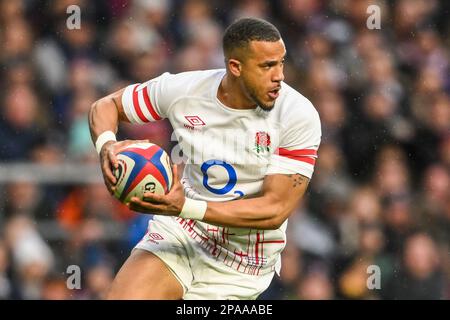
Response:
column 261, row 109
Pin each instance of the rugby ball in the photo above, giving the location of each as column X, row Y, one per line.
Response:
column 143, row 167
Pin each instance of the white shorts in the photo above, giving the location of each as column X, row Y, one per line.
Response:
column 201, row 275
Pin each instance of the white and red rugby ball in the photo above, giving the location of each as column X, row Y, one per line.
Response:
column 143, row 167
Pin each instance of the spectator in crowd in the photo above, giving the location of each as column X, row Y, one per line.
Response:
column 420, row 274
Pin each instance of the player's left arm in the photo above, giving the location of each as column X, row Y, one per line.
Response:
column 280, row 195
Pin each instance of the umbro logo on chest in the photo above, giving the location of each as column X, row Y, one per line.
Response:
column 194, row 121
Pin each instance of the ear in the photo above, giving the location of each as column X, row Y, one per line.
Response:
column 235, row 67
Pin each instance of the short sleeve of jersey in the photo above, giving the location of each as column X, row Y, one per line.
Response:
column 150, row 101
column 299, row 143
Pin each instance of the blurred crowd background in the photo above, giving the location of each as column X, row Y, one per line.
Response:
column 380, row 194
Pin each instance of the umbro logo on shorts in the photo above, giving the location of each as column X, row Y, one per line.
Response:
column 155, row 236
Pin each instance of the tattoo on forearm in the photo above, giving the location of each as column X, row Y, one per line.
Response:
column 298, row 180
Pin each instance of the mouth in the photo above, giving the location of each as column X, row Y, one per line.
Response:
column 274, row 93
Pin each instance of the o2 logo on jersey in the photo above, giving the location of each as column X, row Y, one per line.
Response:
column 232, row 177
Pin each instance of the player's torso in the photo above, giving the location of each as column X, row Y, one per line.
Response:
column 226, row 151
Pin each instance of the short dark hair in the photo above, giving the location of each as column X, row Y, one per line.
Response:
column 241, row 32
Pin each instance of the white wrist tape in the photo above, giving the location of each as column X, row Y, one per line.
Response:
column 104, row 138
column 193, row 209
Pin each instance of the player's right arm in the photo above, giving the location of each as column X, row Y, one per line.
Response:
column 105, row 115
column 138, row 103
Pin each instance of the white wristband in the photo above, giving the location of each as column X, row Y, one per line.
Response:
column 193, row 209
column 103, row 138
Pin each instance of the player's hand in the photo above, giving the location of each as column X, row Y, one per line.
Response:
column 169, row 204
column 108, row 160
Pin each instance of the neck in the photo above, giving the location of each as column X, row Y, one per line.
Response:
column 230, row 93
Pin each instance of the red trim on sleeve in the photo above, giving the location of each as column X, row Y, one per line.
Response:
column 303, row 155
column 303, row 159
column 298, row 153
column 149, row 105
column 136, row 105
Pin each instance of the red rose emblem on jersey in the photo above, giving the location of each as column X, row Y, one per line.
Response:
column 262, row 141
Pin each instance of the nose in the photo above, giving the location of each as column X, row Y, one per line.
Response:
column 278, row 74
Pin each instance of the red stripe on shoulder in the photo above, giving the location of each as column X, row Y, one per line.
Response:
column 149, row 105
column 136, row 105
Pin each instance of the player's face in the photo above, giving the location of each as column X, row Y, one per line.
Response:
column 262, row 72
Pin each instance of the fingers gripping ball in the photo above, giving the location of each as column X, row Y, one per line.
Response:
column 143, row 167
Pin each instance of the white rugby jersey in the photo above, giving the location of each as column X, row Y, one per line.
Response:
column 228, row 152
